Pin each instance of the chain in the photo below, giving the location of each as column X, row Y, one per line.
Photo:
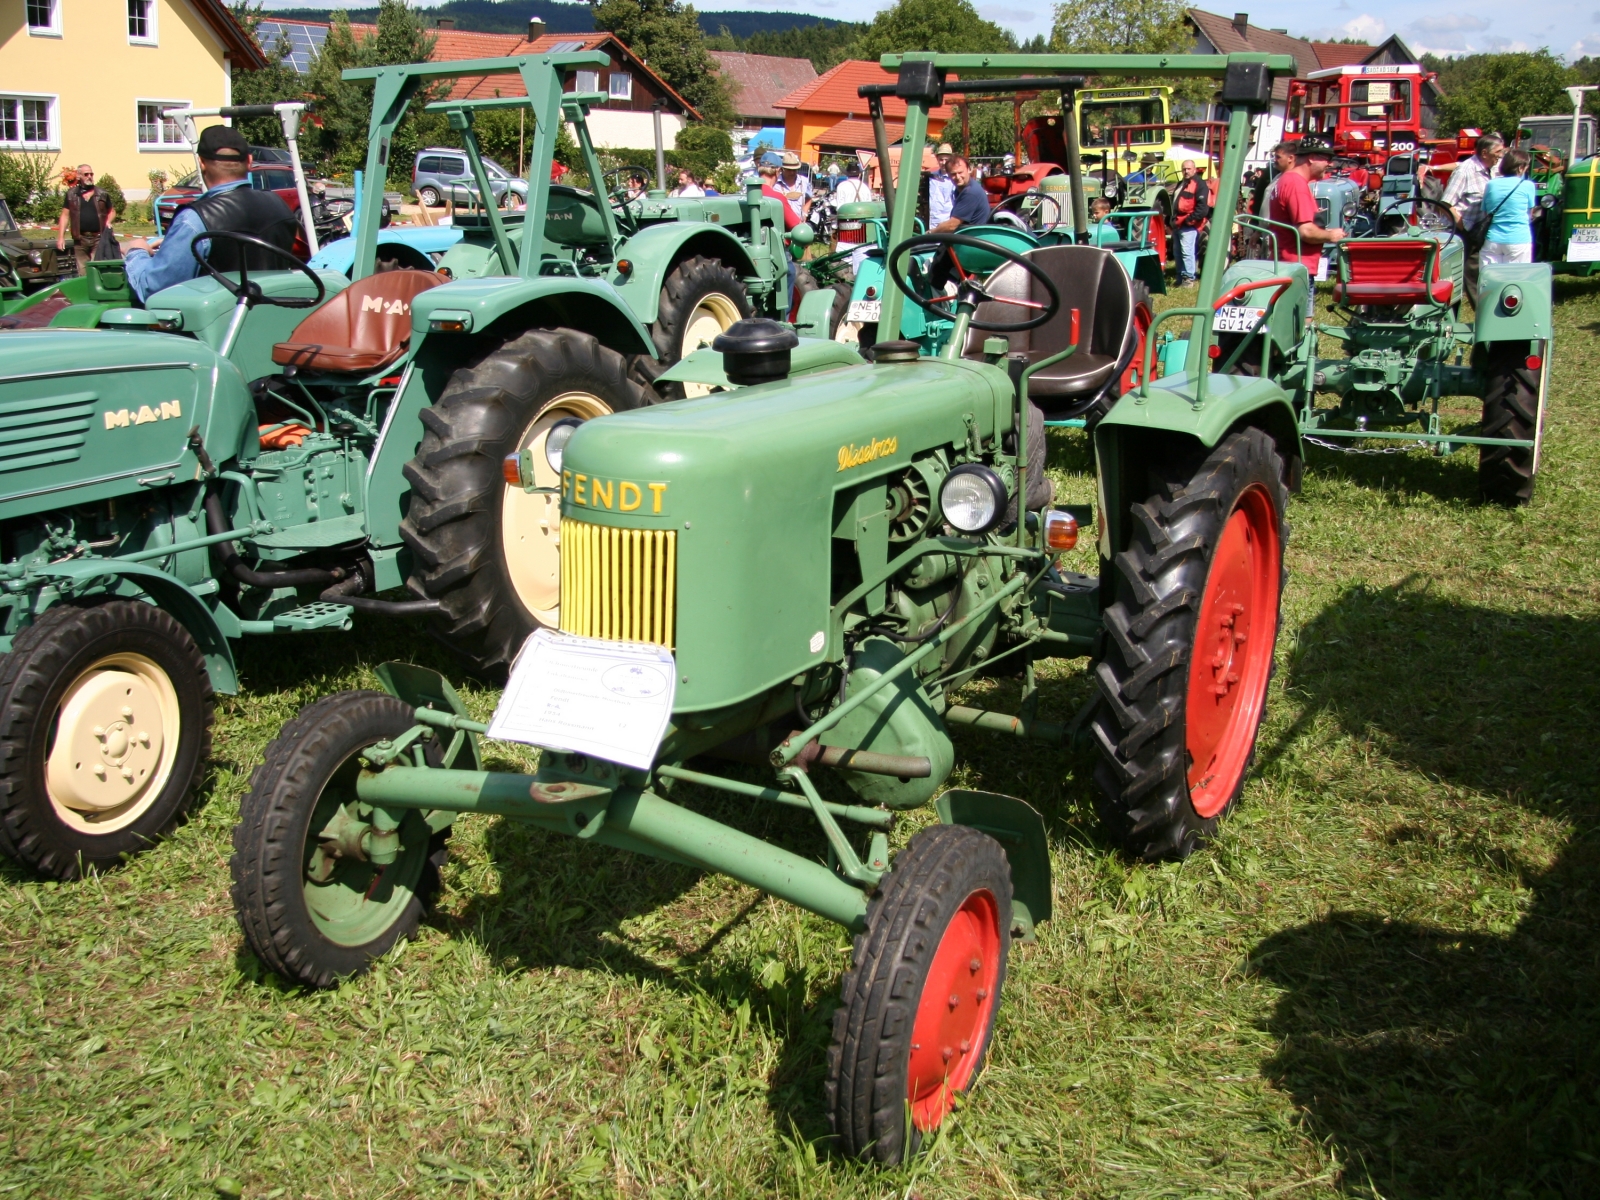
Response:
column 1398, row 448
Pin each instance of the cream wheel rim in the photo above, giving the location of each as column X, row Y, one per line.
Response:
column 530, row 522
column 116, row 734
column 711, row 316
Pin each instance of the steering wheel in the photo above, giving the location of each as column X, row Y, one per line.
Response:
column 617, row 193
column 968, row 289
column 1429, row 216
column 1012, row 204
column 248, row 289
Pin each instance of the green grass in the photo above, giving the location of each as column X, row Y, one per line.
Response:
column 1381, row 980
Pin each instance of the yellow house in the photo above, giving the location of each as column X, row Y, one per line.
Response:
column 86, row 80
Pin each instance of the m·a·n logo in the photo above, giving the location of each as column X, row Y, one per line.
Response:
column 121, row 418
column 389, row 308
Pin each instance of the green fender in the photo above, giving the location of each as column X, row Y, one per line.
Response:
column 509, row 304
column 1169, row 408
column 1528, row 318
column 139, row 580
column 654, row 251
column 1287, row 321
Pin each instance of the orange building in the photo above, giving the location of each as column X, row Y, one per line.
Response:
column 828, row 115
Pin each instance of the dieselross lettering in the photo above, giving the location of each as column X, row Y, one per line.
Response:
column 855, row 456
column 618, row 495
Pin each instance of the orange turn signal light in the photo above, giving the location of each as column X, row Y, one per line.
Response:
column 624, row 267
column 1060, row 530
column 511, row 469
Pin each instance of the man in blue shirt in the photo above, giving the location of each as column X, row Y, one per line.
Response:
column 228, row 205
column 971, row 206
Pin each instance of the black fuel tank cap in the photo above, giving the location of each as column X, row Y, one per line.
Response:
column 755, row 350
column 888, row 352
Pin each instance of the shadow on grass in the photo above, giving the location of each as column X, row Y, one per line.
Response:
column 1444, row 1062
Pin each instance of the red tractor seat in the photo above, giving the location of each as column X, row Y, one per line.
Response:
column 363, row 328
column 1091, row 280
column 1391, row 273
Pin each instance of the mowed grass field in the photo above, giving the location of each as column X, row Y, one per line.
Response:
column 1383, row 980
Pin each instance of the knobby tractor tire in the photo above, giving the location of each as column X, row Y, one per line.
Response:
column 487, row 551
column 1189, row 644
column 805, row 283
column 1510, row 410
column 310, row 924
column 700, row 298
column 917, row 1006
column 105, row 725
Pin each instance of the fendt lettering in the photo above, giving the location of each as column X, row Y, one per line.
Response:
column 618, row 495
column 121, row 418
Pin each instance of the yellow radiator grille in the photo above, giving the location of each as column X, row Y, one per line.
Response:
column 618, row 583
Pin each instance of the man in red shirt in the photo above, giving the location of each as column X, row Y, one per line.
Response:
column 769, row 188
column 1292, row 204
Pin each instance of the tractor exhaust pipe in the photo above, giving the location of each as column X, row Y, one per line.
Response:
column 303, row 577
column 346, row 593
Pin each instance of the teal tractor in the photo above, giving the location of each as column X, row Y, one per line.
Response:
column 1405, row 347
column 798, row 574
column 265, row 450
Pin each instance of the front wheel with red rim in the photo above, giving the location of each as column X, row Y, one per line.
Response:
column 917, row 1008
column 1191, row 631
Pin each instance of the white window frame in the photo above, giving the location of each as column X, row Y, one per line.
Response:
column 611, row 86
column 592, row 78
column 180, row 146
column 152, row 35
column 53, row 140
column 51, row 30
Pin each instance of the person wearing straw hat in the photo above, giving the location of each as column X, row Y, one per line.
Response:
column 941, row 188
column 795, row 186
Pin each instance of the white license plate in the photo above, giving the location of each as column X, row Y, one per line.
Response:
column 864, row 310
column 1584, row 245
column 1235, row 318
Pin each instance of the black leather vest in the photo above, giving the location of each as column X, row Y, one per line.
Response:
column 245, row 210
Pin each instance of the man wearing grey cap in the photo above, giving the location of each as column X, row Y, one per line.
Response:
column 228, row 205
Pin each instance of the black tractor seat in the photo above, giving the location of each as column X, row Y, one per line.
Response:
column 1090, row 280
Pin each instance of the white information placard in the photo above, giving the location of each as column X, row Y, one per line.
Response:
column 609, row 699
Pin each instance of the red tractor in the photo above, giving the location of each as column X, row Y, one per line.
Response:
column 1369, row 113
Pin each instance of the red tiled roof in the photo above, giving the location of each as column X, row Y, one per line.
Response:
column 854, row 135
column 463, row 45
column 1340, row 54
column 241, row 47
column 1221, row 33
column 835, row 92
column 756, row 82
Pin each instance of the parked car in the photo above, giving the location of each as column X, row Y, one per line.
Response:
column 441, row 173
column 271, row 156
column 34, row 259
column 269, row 178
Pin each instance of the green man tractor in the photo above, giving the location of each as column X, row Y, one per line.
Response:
column 798, row 573
column 266, row 451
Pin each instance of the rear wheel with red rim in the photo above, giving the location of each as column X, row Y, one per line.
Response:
column 1190, row 636
column 917, row 1008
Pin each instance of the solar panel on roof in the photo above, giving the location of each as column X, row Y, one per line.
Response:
column 301, row 42
column 564, row 47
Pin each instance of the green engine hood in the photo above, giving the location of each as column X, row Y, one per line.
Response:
column 756, row 485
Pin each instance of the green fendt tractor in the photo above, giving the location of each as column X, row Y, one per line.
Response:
column 800, row 573
column 264, row 452
column 1405, row 347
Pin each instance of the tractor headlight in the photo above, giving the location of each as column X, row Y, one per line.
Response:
column 972, row 498
column 555, row 442
column 36, row 258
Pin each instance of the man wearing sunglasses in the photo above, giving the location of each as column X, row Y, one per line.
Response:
column 85, row 213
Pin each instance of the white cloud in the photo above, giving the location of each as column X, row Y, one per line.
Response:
column 1366, row 27
column 1450, row 23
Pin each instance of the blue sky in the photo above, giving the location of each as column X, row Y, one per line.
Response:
column 1570, row 30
